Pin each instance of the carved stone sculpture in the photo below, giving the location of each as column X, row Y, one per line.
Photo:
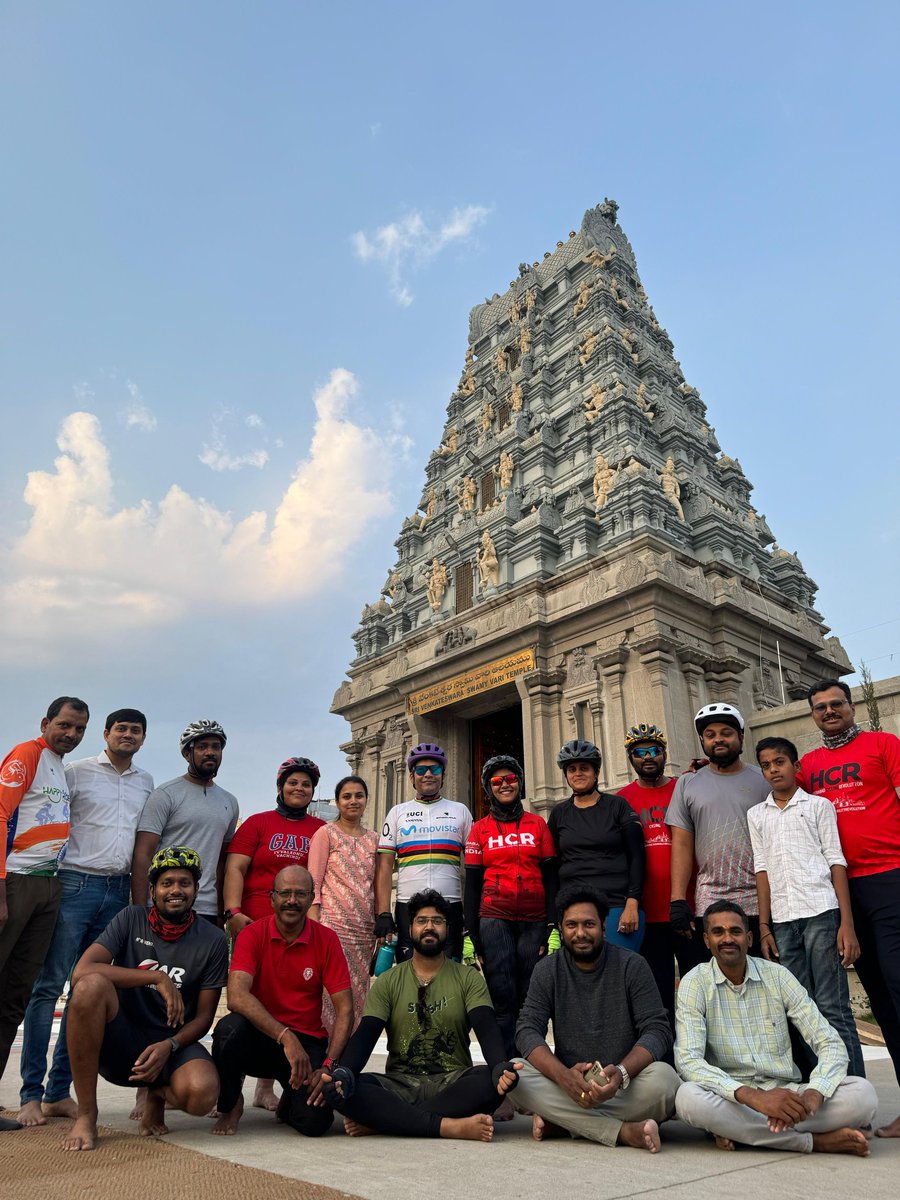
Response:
column 584, row 294
column 530, row 298
column 587, row 347
column 516, row 399
column 437, row 585
column 486, row 420
column 451, row 445
column 515, row 312
column 467, row 387
column 604, row 480
column 594, row 403
column 616, row 289
column 467, row 494
column 395, row 588
column 430, row 508
column 525, row 340
column 488, row 563
column 596, row 259
column 504, row 470
column 671, row 486
column 500, row 360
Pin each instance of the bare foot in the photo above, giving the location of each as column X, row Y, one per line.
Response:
column 153, row 1123
column 354, row 1129
column 479, row 1128
column 841, row 1141
column 61, row 1108
column 264, row 1096
column 642, row 1135
column 724, row 1143
column 892, row 1130
column 545, row 1131
column 82, row 1135
column 140, row 1099
column 228, row 1122
column 32, row 1114
column 506, row 1111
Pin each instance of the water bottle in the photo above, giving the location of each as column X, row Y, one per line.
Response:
column 384, row 958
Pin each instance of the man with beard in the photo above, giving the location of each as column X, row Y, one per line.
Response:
column 143, row 995
column 708, row 819
column 733, row 1051
column 859, row 772
column 191, row 810
column 604, row 1079
column 649, row 795
column 428, row 1005
column 426, row 837
column 34, row 828
column 280, row 968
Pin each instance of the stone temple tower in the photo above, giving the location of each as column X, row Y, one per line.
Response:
column 584, row 556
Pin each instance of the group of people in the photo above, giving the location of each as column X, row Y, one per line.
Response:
column 763, row 883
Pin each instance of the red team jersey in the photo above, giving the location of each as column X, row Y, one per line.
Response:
column 650, row 804
column 511, row 853
column 861, row 781
column 271, row 842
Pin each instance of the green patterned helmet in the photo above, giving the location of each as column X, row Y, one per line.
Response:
column 173, row 857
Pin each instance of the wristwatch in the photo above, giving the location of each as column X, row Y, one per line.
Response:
column 231, row 912
column 626, row 1078
column 174, row 1045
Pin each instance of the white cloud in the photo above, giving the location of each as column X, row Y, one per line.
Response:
column 215, row 454
column 86, row 568
column 410, row 243
column 253, row 421
column 137, row 415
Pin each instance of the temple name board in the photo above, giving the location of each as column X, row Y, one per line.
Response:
column 470, row 683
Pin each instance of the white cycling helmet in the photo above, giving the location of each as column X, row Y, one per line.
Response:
column 199, row 729
column 726, row 713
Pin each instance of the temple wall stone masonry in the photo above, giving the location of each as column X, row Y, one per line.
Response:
column 583, row 551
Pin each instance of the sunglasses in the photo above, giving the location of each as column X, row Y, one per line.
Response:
column 499, row 780
column 647, row 752
column 421, row 769
column 423, row 1016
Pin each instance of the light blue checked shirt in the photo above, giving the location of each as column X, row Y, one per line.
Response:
column 729, row 1037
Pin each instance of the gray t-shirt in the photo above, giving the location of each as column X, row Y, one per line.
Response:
column 714, row 809
column 187, row 814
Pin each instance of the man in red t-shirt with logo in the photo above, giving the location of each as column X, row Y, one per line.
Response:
column 649, row 796
column 280, row 967
column 859, row 772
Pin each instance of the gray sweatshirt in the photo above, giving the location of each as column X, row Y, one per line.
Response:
column 598, row 1014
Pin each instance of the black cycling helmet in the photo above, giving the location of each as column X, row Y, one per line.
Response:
column 579, row 750
column 502, row 762
column 290, row 765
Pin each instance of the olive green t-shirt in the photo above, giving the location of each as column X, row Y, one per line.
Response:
column 428, row 1034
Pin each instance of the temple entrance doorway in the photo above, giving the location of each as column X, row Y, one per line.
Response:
column 498, row 732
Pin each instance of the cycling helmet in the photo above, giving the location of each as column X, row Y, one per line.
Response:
column 726, row 713
column 175, row 856
column 502, row 762
column 426, row 750
column 290, row 765
column 199, row 729
column 644, row 733
column 577, row 751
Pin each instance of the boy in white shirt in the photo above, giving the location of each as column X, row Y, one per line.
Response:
column 804, row 901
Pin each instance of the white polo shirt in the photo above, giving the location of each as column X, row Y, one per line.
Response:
column 104, row 811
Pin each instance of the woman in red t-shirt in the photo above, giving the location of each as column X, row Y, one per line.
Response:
column 261, row 846
column 510, row 892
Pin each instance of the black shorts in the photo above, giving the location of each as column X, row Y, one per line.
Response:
column 124, row 1042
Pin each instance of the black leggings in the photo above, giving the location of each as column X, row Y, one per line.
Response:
column 240, row 1049
column 378, row 1107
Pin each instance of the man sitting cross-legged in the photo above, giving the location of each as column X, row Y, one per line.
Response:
column 143, row 995
column 280, row 968
column 428, row 1005
column 733, row 1050
column 606, row 1009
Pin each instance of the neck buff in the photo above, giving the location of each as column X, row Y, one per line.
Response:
column 836, row 740
column 292, row 814
column 507, row 812
column 165, row 929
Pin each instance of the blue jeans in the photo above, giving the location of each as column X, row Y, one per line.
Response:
column 88, row 904
column 511, row 951
column 808, row 948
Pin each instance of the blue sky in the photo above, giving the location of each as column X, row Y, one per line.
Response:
column 239, row 247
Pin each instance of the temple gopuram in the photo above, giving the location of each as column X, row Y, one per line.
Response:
column 584, row 555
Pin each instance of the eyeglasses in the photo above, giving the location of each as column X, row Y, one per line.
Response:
column 824, row 707
column 499, row 780
column 421, row 769
column 437, row 922
column 292, row 894
column 646, row 752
